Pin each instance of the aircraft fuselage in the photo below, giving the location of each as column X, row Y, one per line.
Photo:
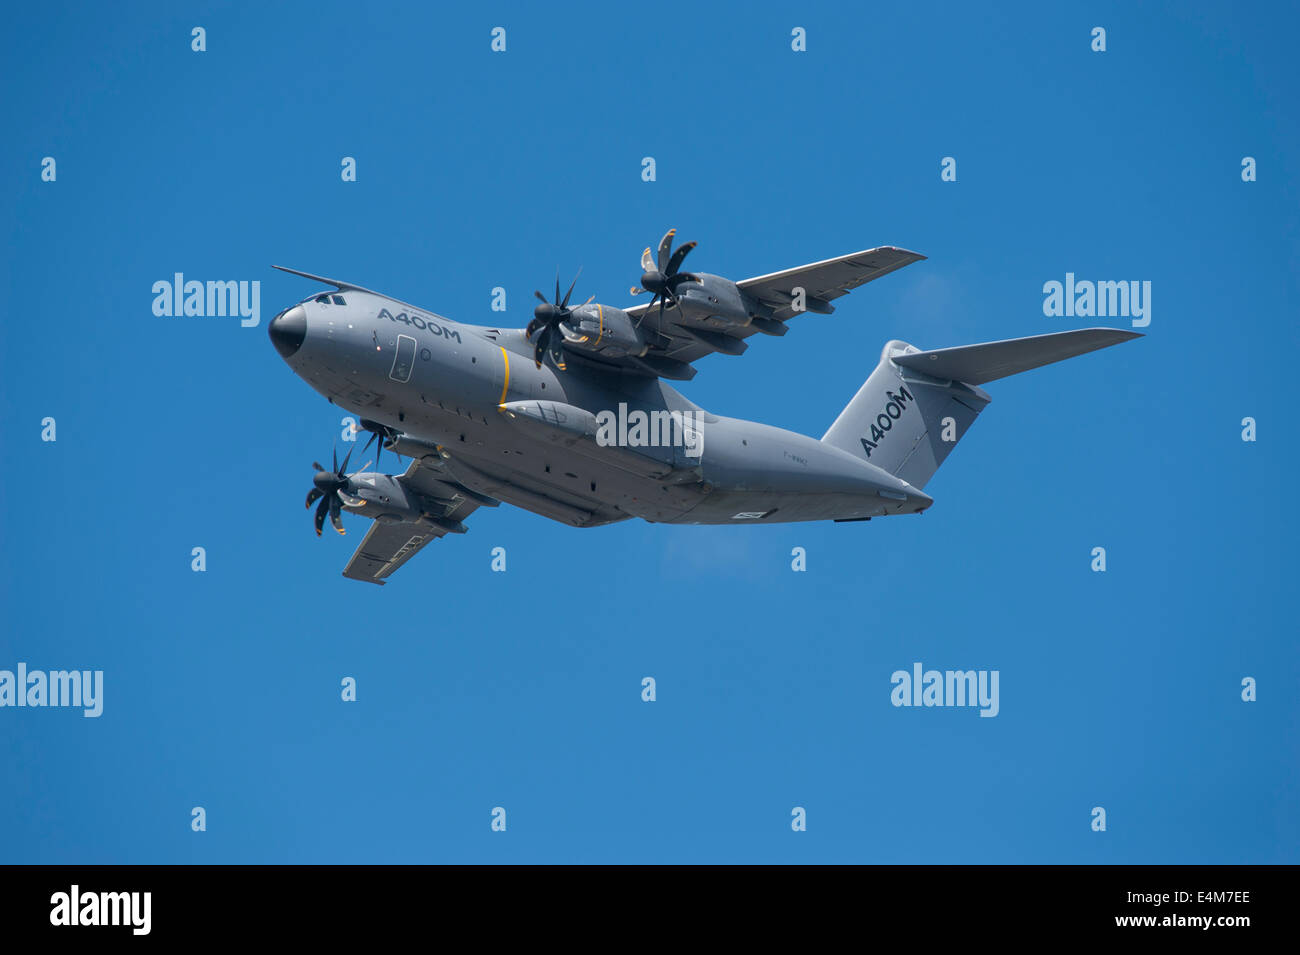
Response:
column 506, row 428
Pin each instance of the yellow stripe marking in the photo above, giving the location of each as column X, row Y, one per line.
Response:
column 600, row 310
column 505, row 386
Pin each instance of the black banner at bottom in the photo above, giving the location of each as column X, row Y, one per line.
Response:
column 92, row 904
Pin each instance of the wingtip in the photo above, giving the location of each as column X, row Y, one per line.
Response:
column 324, row 280
column 1120, row 334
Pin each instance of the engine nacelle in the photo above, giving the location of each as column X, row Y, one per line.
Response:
column 386, row 500
column 604, row 330
column 717, row 302
column 383, row 496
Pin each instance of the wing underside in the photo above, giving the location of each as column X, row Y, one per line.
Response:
column 387, row 547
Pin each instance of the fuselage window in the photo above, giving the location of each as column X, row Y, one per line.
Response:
column 404, row 360
column 338, row 300
column 323, row 299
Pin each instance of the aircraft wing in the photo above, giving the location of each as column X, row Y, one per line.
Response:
column 387, row 546
column 772, row 294
column 823, row 281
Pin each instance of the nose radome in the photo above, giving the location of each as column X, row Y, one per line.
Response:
column 287, row 330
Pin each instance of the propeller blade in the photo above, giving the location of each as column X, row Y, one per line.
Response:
column 681, row 278
column 649, row 305
column 565, row 303
column 539, row 349
column 343, row 470
column 665, row 244
column 557, row 286
column 317, row 466
column 541, row 297
column 680, row 254
column 533, row 325
column 336, row 460
column 647, row 261
column 554, row 343
column 638, row 290
column 334, row 514
column 321, row 510
column 373, row 436
column 588, row 301
column 313, row 494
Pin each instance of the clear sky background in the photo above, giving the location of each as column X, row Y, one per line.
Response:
column 522, row 690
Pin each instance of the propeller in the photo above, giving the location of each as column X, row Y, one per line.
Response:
column 377, row 431
column 328, row 487
column 659, row 276
column 548, row 324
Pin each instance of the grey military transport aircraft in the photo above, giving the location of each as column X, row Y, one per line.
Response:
column 572, row 417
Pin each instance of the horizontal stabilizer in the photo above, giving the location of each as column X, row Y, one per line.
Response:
column 906, row 423
column 976, row 364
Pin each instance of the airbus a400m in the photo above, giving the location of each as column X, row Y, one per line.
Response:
column 573, row 417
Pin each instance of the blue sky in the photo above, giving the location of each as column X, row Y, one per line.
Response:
column 522, row 690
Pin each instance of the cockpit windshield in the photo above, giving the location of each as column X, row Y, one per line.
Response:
column 325, row 298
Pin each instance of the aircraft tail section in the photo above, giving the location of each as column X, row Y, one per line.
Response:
column 917, row 405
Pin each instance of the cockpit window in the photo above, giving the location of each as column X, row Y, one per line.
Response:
column 324, row 298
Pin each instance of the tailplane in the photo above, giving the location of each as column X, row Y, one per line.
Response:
column 917, row 405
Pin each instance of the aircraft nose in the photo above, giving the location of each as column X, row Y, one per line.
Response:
column 287, row 330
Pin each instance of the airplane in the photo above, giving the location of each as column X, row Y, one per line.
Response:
column 573, row 418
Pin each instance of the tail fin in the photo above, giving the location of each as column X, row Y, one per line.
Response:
column 918, row 404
